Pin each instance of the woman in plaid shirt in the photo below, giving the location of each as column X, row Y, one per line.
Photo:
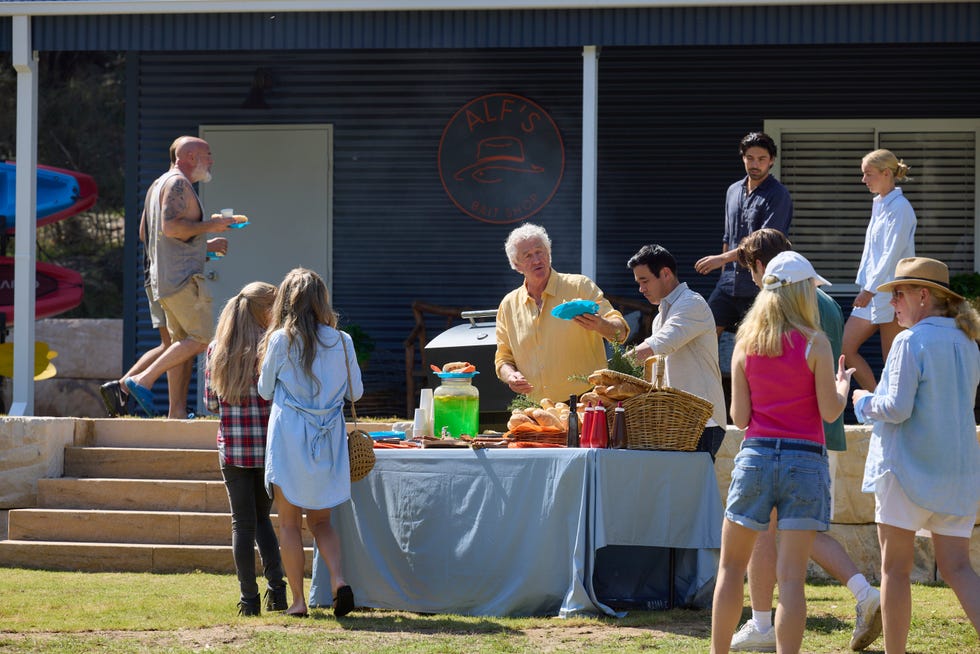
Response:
column 230, row 390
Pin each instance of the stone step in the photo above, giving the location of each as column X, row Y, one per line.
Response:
column 148, row 432
column 142, row 463
column 148, row 527
column 132, row 494
column 122, row 557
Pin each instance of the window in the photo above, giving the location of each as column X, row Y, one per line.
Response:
column 820, row 163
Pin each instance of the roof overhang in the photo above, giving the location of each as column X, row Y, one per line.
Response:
column 111, row 7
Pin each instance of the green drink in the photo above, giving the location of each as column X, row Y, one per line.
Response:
column 459, row 414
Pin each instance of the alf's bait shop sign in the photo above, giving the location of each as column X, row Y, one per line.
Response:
column 501, row 158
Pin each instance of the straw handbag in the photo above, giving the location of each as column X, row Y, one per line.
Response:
column 360, row 445
column 664, row 418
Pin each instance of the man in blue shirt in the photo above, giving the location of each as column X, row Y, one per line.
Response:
column 758, row 200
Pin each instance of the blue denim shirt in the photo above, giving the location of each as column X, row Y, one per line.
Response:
column 769, row 205
column 922, row 415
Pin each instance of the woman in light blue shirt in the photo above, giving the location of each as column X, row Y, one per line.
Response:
column 308, row 369
column 923, row 461
column 890, row 237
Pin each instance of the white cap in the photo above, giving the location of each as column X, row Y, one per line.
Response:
column 789, row 267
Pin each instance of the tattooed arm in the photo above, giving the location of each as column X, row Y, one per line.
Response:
column 182, row 216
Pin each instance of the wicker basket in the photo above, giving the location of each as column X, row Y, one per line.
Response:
column 665, row 418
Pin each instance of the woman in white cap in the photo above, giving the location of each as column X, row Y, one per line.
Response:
column 923, row 461
column 783, row 388
column 890, row 237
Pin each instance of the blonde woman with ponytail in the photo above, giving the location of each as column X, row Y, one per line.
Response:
column 783, row 389
column 890, row 237
column 230, row 379
column 923, row 462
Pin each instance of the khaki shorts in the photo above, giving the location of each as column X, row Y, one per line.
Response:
column 189, row 312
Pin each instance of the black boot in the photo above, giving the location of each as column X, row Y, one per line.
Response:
column 275, row 599
column 249, row 606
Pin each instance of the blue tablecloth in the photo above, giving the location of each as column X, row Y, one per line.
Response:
column 515, row 531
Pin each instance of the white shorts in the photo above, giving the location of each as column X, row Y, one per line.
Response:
column 894, row 508
column 879, row 310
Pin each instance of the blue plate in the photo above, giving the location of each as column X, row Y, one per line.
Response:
column 376, row 435
column 237, row 225
column 456, row 375
column 569, row 310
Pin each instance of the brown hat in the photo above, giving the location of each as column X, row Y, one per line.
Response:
column 921, row 271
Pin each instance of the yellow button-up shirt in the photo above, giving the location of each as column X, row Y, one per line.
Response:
column 548, row 350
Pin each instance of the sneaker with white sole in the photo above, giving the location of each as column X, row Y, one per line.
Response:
column 867, row 625
column 750, row 639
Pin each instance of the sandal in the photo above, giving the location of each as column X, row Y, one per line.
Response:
column 343, row 603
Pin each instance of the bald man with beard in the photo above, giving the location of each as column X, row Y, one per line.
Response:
column 177, row 244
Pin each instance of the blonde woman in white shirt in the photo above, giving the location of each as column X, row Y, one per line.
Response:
column 889, row 238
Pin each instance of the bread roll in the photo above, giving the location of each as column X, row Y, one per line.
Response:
column 455, row 366
column 546, row 419
column 546, row 403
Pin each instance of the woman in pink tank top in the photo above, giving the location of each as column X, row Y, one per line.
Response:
column 783, row 387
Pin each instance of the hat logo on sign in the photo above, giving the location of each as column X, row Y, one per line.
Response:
column 495, row 154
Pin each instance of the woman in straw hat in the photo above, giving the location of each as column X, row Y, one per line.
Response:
column 924, row 459
column 783, row 388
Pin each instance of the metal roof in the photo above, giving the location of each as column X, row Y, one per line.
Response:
column 115, row 7
column 733, row 24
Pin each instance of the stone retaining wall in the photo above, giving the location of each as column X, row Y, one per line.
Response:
column 31, row 449
column 89, row 353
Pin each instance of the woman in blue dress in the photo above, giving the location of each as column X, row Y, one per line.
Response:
column 308, row 370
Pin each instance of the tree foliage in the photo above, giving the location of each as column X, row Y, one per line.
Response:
column 81, row 126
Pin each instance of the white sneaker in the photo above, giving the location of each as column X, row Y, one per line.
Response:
column 867, row 625
column 750, row 639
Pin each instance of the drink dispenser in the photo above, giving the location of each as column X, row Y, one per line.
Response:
column 456, row 405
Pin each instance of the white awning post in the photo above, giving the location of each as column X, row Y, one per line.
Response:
column 25, row 63
column 590, row 131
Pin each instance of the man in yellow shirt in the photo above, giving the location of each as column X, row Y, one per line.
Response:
column 537, row 353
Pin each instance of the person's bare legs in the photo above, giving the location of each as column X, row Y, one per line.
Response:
column 176, row 354
column 897, row 551
column 736, row 548
column 148, row 357
column 291, row 550
column 178, row 385
column 856, row 332
column 328, row 543
column 953, row 560
column 791, row 560
column 762, row 568
column 888, row 332
column 832, row 557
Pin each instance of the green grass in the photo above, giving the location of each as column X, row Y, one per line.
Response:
column 68, row 612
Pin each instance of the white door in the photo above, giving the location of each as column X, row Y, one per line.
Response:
column 280, row 176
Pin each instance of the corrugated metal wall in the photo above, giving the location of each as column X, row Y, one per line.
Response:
column 397, row 236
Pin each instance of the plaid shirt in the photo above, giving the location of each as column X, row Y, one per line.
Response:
column 242, row 429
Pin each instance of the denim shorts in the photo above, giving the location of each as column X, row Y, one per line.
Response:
column 773, row 473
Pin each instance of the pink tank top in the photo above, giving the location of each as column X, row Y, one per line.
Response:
column 784, row 398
